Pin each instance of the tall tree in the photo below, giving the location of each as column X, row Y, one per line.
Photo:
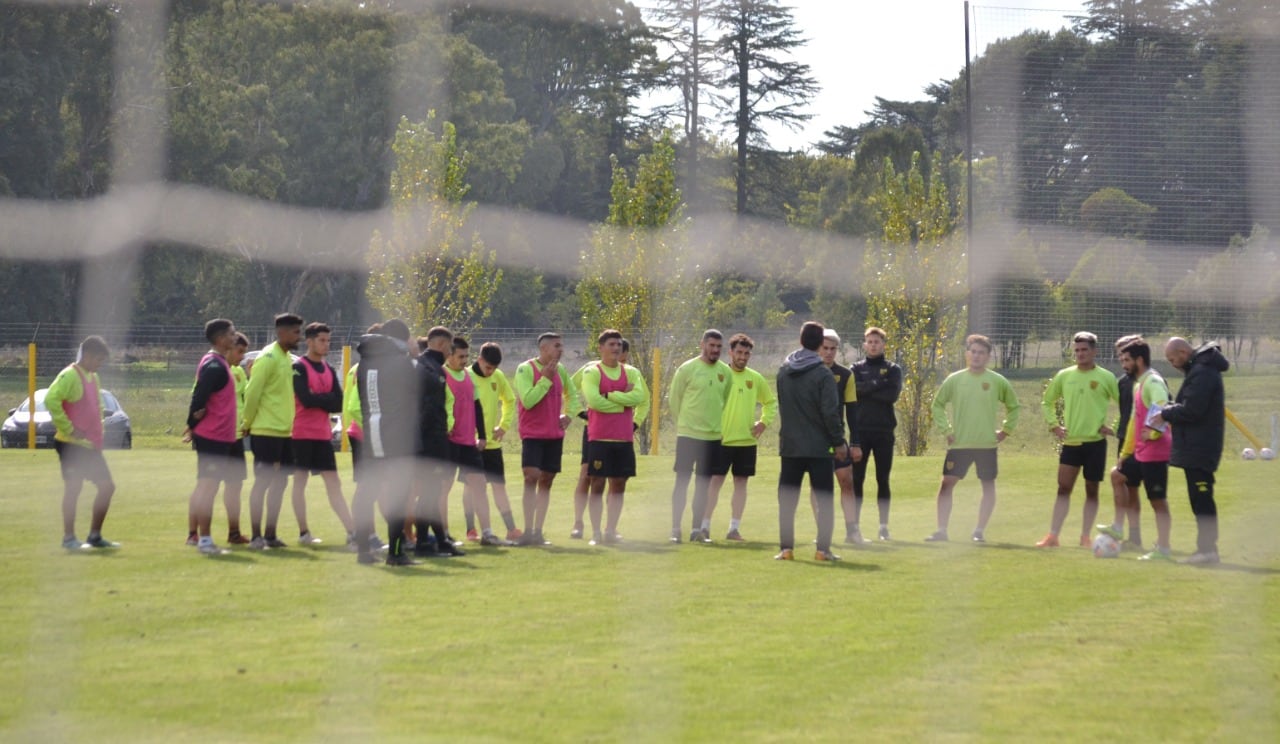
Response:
column 688, row 28
column 769, row 87
column 428, row 270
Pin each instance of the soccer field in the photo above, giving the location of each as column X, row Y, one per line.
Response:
column 643, row 642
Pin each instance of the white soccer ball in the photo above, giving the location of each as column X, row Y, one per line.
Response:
column 1249, row 453
column 1267, row 453
column 1105, row 546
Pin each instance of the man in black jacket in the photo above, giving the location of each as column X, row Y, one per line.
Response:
column 811, row 430
column 434, row 454
column 1198, row 417
column 388, row 400
column 879, row 383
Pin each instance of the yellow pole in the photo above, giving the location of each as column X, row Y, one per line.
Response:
column 654, row 409
column 31, row 396
column 346, row 367
column 1257, row 443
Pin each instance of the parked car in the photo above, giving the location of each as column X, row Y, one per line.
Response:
column 116, row 428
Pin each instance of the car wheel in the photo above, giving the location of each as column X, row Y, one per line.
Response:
column 127, row 442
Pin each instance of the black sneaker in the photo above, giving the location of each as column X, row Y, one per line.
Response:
column 675, row 536
column 447, row 549
column 541, row 540
column 274, row 542
column 529, row 539
column 493, row 541
column 400, row 560
column 426, row 549
column 98, row 541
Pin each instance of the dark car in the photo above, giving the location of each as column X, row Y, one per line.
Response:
column 116, row 429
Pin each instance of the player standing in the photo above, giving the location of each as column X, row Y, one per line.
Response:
column 268, row 417
column 1085, row 391
column 697, row 396
column 74, row 401
column 973, row 432
column 878, row 383
column 741, row 429
column 546, row 402
column 617, row 402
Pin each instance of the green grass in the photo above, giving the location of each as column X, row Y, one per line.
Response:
column 646, row 642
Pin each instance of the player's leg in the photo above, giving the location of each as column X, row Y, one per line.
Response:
column 946, row 491
column 790, row 477
column 298, row 497
column 543, row 503
column 1067, row 475
column 848, row 503
column 1094, row 467
column 617, row 492
column 683, row 469
column 883, row 452
column 986, row 464
column 337, row 501
column 822, row 479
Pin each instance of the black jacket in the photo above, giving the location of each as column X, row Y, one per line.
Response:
column 879, row 383
column 388, row 397
column 808, row 407
column 1125, row 383
column 1198, row 413
column 433, row 422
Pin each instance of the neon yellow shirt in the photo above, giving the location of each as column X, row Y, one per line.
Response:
column 637, row 399
column 268, row 400
column 974, row 400
column 1086, row 395
column 66, row 386
column 747, row 389
column 697, row 397
column 498, row 401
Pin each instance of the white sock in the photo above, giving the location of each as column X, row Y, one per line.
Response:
column 706, row 524
column 735, row 524
column 206, row 540
column 487, row 532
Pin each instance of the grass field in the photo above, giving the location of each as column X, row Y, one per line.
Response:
column 645, row 642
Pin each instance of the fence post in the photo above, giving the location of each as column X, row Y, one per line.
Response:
column 31, row 396
column 655, row 409
column 346, row 368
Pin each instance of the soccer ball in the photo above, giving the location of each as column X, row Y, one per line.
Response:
column 1267, row 453
column 1105, row 546
column 1249, row 453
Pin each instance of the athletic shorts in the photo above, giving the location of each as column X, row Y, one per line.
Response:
column 213, row 458
column 585, row 443
column 269, row 452
column 315, row 455
column 495, row 470
column 957, row 461
column 1131, row 470
column 82, row 463
column 467, row 458
column 355, row 458
column 545, row 454
column 699, row 454
column 1091, row 456
column 611, row 460
column 237, row 469
column 1155, row 479
column 740, row 460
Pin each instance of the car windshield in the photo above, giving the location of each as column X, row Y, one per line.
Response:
column 39, row 403
column 109, row 402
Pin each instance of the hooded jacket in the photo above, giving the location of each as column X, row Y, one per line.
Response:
column 809, row 409
column 1198, row 412
column 433, row 415
column 388, row 397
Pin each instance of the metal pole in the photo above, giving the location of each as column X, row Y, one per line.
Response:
column 654, row 409
column 968, row 151
column 346, row 368
column 31, row 396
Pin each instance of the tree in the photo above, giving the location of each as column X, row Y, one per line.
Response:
column 915, row 288
column 637, row 276
column 428, row 271
column 768, row 87
column 1112, row 292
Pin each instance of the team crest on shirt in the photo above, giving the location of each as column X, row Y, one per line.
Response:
column 493, row 386
column 986, row 386
column 750, row 384
column 884, row 372
column 720, row 377
column 597, row 464
column 1093, row 384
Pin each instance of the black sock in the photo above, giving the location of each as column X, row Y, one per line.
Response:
column 395, row 530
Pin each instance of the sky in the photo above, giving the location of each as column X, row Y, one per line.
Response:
column 861, row 49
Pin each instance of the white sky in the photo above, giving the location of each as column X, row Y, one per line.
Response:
column 860, row 49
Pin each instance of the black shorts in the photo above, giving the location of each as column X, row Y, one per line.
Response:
column 268, row 452
column 355, row 458
column 585, row 444
column 1155, row 479
column 467, row 458
column 696, row 454
column 1131, row 470
column 741, row 460
column 213, row 459
column 495, row 470
column 957, row 462
column 611, row 460
column 237, row 470
column 315, row 455
column 1092, row 456
column 82, row 463
column 545, row 454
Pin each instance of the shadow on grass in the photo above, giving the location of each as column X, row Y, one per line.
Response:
column 638, row 546
column 229, row 557
column 1238, row 568
column 844, row 564
column 293, row 554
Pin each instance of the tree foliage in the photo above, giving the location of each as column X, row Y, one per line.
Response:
column 429, row 270
column 915, row 289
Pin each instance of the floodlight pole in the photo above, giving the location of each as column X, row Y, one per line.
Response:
column 968, row 151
